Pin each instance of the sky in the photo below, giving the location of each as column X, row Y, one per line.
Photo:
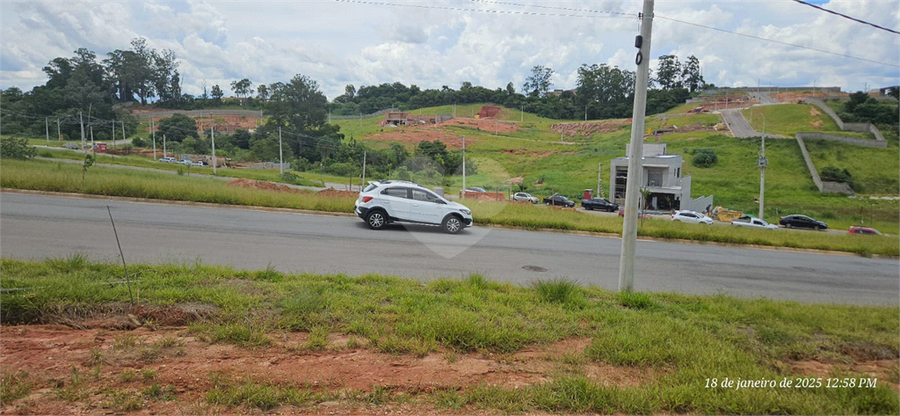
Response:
column 766, row 43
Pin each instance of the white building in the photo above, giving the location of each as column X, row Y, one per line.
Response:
column 661, row 175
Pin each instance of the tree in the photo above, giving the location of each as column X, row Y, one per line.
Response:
column 690, row 74
column 299, row 107
column 510, row 89
column 241, row 139
column 177, row 127
column 164, row 76
column 538, row 83
column 217, row 94
column 88, row 162
column 241, row 88
column 262, row 92
column 668, row 76
column 601, row 89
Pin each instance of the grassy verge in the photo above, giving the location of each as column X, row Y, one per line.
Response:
column 143, row 162
column 100, row 180
column 681, row 343
column 537, row 217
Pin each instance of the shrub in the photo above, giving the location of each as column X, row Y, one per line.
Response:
column 833, row 174
column 17, row 148
column 704, row 158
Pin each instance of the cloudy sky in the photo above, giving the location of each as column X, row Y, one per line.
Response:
column 447, row 42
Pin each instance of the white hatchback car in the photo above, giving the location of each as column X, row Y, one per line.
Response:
column 383, row 202
column 691, row 217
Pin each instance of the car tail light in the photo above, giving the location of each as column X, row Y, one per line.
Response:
column 366, row 199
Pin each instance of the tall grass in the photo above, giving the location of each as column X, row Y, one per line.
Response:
column 101, row 180
column 677, row 341
column 541, row 217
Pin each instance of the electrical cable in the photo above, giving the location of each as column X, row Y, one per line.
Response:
column 623, row 15
column 848, row 17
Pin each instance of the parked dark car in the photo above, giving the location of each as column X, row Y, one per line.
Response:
column 802, row 221
column 559, row 200
column 599, row 203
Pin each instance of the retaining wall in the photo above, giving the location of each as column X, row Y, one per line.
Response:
column 857, row 127
column 809, row 164
column 843, row 139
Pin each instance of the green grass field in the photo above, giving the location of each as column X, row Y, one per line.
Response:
column 681, row 344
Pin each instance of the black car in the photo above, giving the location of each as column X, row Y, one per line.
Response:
column 802, row 221
column 599, row 203
column 559, row 200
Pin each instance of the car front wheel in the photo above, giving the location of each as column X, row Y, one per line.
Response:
column 376, row 220
column 452, row 224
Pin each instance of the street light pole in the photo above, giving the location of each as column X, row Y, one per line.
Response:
column 632, row 188
column 762, row 162
column 464, row 165
column 212, row 136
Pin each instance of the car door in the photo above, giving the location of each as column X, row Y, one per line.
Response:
column 396, row 201
column 425, row 207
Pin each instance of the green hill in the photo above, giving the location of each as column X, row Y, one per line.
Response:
column 544, row 156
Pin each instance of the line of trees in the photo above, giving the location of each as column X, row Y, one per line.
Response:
column 602, row 91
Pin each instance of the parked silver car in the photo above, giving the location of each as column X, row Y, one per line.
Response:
column 525, row 197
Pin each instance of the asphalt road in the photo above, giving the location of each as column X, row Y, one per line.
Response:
column 40, row 226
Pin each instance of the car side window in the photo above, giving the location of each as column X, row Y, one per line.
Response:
column 396, row 192
column 425, row 196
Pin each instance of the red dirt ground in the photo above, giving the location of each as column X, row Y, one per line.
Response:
column 250, row 183
column 51, row 354
column 103, row 351
column 416, row 134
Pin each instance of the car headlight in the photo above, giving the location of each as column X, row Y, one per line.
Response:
column 465, row 211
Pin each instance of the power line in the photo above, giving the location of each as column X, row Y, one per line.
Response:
column 779, row 42
column 631, row 15
column 848, row 17
column 463, row 9
column 616, row 15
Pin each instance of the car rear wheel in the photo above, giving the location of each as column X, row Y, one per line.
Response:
column 452, row 224
column 376, row 220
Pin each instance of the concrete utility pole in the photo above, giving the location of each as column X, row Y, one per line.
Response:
column 81, row 121
column 153, row 133
column 599, row 171
column 280, row 154
column 58, row 133
column 464, row 165
column 123, row 133
column 762, row 162
column 212, row 136
column 365, row 153
column 632, row 188
column 47, row 126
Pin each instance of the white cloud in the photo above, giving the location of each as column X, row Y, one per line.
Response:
column 435, row 43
